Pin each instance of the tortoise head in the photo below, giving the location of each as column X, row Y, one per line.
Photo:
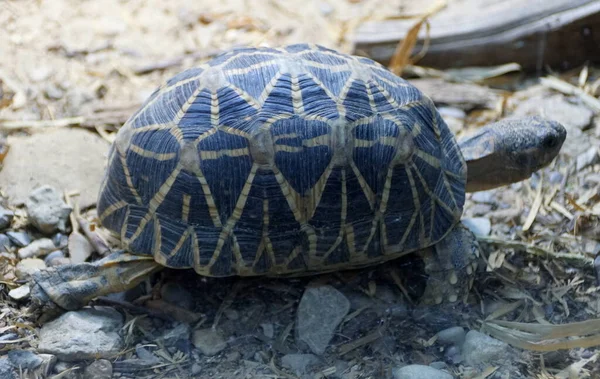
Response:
column 510, row 150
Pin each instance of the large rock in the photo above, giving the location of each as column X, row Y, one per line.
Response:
column 67, row 159
column 84, row 334
column 320, row 312
column 47, row 211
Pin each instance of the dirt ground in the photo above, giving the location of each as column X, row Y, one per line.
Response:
column 90, row 64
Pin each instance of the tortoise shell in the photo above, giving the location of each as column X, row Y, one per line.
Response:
column 282, row 160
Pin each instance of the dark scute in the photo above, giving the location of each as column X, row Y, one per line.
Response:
column 382, row 102
column 333, row 81
column 186, row 183
column 197, row 118
column 243, row 61
column 149, row 174
column 327, row 218
column 225, row 260
column 279, row 101
column 165, row 105
column 207, row 237
column 115, row 190
column 316, row 102
column 144, row 243
column 298, row 47
column 255, row 81
column 171, row 232
column 357, row 102
column 301, row 169
column 233, row 109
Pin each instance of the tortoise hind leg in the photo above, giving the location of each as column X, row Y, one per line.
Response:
column 72, row 286
column 451, row 266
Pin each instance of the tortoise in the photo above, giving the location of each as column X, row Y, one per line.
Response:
column 292, row 161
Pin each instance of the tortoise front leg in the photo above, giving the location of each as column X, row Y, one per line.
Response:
column 451, row 266
column 72, row 286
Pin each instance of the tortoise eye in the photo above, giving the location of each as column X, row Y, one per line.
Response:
column 550, row 142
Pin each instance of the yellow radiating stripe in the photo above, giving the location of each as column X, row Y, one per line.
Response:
column 214, row 110
column 216, row 154
column 428, row 158
column 364, row 186
column 268, row 88
column 134, row 192
column 185, row 211
column 196, row 250
column 157, row 246
column 235, row 215
column 151, row 127
column 343, row 93
column 429, row 192
column 288, row 149
column 322, row 140
column 151, row 154
column 112, row 208
column 413, row 218
column 343, row 217
column 371, row 99
column 237, row 253
column 290, row 195
column 246, row 70
column 297, row 103
column 245, row 95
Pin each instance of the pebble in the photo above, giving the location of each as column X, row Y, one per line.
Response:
column 7, row 371
column 83, row 334
column 176, row 294
column 40, row 73
column 20, row 293
column 486, row 197
column 146, row 355
column 26, row 267
column 80, row 249
column 37, row 248
column 6, row 217
column 100, row 369
column 299, row 363
column 60, row 240
column 480, row 349
column 196, row 369
column 268, row 329
column 179, row 332
column 453, row 355
column 4, row 243
column 47, row 211
column 419, row 372
column 56, row 254
column 587, row 158
column 24, row 359
column 480, row 226
column 452, row 336
column 439, row 365
column 7, row 337
column 209, row 341
column 20, row 239
column 80, row 164
column 320, row 311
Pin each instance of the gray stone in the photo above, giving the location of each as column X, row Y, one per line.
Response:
column 179, row 332
column 175, row 293
column 320, row 312
column 453, row 355
column 47, row 366
column 28, row 266
column 299, row 363
column 20, row 239
column 20, row 293
column 556, row 107
column 419, row 372
column 83, row 334
column 209, row 341
column 100, row 369
column 196, row 369
column 80, row 249
column 56, row 254
column 439, row 365
column 6, row 217
column 5, row 243
column 480, row 226
column 588, row 158
column 268, row 329
column 37, row 248
column 24, row 359
column 480, row 349
column 79, row 166
column 7, row 371
column 47, row 211
column 486, row 197
column 452, row 336
column 146, row 355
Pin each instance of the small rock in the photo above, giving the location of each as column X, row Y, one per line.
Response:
column 53, row 92
column 146, row 355
column 453, row 355
column 438, row 365
column 20, row 239
column 234, row 356
column 299, row 363
column 480, row 226
column 47, row 366
column 100, row 369
column 60, row 240
column 231, row 314
column 486, row 197
column 24, row 360
column 452, row 336
column 59, row 262
column 40, row 73
column 7, row 371
column 80, row 164
column 56, row 254
column 320, row 312
column 419, row 372
column 176, row 294
column 20, row 293
column 6, row 217
column 80, row 249
column 84, row 334
column 196, row 369
column 47, row 211
column 37, row 248
column 268, row 329
column 26, row 267
column 179, row 332
column 482, row 349
column 4, row 243
column 209, row 341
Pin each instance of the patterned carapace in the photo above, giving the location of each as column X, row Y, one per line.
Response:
column 289, row 160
